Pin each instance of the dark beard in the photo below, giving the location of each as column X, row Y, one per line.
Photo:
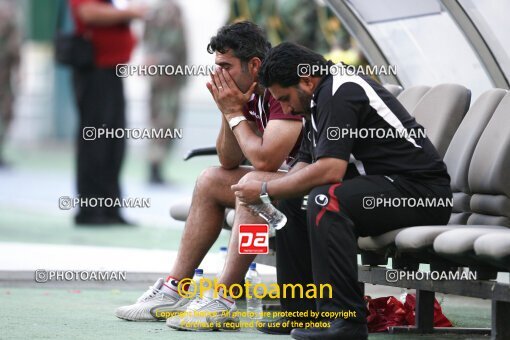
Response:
column 305, row 101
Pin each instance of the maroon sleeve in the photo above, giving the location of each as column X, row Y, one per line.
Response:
column 276, row 111
column 74, row 4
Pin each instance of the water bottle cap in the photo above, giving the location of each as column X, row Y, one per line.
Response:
column 199, row 271
column 223, row 248
column 253, row 266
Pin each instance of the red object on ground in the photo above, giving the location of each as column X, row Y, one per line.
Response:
column 440, row 320
column 385, row 312
column 388, row 311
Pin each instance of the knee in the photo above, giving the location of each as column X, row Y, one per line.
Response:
column 328, row 199
column 252, row 176
column 318, row 198
column 208, row 178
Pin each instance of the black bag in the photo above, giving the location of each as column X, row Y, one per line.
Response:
column 72, row 49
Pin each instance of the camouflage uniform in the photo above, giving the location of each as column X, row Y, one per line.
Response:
column 10, row 41
column 165, row 44
column 301, row 21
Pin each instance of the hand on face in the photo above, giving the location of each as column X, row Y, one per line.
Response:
column 248, row 192
column 228, row 97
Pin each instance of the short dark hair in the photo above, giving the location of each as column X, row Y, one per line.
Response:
column 244, row 38
column 281, row 64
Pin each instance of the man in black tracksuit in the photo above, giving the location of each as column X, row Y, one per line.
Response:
column 345, row 169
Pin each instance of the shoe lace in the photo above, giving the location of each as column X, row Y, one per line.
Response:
column 149, row 294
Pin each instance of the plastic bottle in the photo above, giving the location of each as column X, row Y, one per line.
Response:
column 274, row 217
column 223, row 254
column 195, row 289
column 253, row 304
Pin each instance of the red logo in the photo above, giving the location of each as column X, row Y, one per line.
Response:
column 253, row 239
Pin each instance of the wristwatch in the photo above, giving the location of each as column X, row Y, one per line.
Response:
column 264, row 196
column 233, row 122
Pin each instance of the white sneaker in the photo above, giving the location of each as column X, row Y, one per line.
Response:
column 206, row 314
column 153, row 305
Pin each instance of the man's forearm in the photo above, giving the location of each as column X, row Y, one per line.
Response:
column 249, row 145
column 269, row 151
column 229, row 152
column 252, row 147
column 298, row 166
column 305, row 178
